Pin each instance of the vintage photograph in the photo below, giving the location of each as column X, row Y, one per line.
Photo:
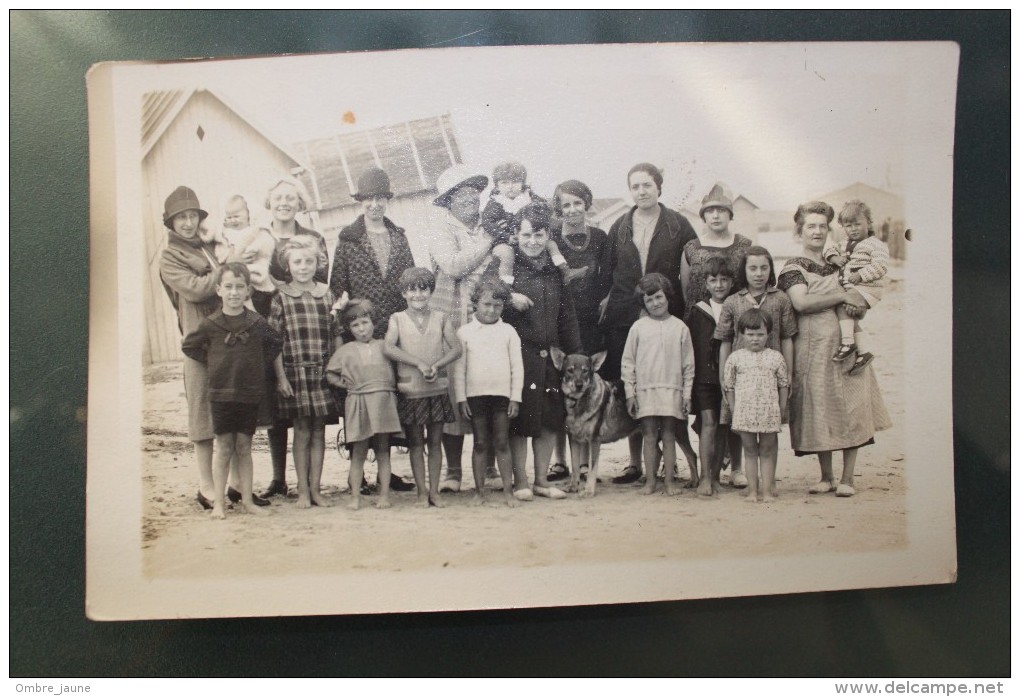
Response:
column 451, row 329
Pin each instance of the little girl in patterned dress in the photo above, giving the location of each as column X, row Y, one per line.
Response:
column 757, row 385
column 300, row 313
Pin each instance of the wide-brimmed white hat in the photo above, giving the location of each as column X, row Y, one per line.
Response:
column 458, row 177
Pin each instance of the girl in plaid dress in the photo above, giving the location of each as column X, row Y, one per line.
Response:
column 301, row 314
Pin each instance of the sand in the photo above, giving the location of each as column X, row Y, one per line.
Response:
column 182, row 541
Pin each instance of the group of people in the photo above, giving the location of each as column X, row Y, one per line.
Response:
column 692, row 326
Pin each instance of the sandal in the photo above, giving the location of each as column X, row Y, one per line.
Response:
column 862, row 362
column 844, row 351
column 557, row 471
column 630, row 475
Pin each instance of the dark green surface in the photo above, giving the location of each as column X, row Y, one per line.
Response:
column 946, row 630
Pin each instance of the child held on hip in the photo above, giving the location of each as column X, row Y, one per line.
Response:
column 422, row 343
column 370, row 410
column 235, row 344
column 757, row 385
column 657, row 369
column 300, row 312
column 864, row 263
column 488, row 381
column 510, row 194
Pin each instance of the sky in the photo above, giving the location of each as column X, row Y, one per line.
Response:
column 778, row 123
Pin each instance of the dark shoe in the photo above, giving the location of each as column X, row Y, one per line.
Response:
column 630, row 475
column 235, row 497
column 583, row 472
column 205, row 503
column 399, row 484
column 844, row 352
column 862, row 362
column 276, row 488
column 557, row 471
column 366, row 488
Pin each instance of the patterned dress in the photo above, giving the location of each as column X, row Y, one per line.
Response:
column 303, row 319
column 829, row 408
column 755, row 378
column 697, row 255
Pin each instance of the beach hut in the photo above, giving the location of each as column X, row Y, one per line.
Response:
column 195, row 138
column 413, row 154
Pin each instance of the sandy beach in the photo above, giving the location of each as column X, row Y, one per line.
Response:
column 180, row 541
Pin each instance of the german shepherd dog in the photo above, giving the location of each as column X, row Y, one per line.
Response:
column 596, row 413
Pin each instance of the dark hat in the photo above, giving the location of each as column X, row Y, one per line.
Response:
column 182, row 199
column 718, row 197
column 373, row 182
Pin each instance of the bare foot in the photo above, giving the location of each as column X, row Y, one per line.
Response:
column 694, row 482
column 477, row 500
column 304, row 501
column 705, row 488
column 423, row 502
column 648, row 488
column 752, row 497
column 355, row 503
column 511, row 502
column 671, row 489
column 768, row 498
column 383, row 502
column 436, row 501
column 218, row 512
column 319, row 500
column 253, row 509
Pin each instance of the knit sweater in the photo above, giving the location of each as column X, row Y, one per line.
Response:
column 490, row 364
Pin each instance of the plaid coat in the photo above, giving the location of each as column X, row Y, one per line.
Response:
column 356, row 271
column 304, row 321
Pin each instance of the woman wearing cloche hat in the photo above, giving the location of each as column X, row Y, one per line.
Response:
column 188, row 269
column 372, row 252
column 461, row 251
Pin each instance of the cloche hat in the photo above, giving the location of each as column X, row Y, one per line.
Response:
column 373, row 182
column 182, row 199
column 457, row 177
column 718, row 197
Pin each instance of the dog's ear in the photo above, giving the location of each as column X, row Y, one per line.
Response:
column 557, row 355
column 597, row 360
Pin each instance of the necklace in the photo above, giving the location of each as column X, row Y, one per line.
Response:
column 576, row 233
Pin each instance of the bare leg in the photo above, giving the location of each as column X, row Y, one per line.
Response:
column 501, row 448
column 634, row 443
column 316, row 456
column 519, row 460
column 650, row 434
column 381, row 444
column 683, row 439
column 670, row 436
column 768, row 449
column 708, row 485
column 302, row 459
column 416, row 452
column 244, row 467
column 359, row 452
column 750, row 442
column 480, row 429
column 435, row 439
column 221, row 465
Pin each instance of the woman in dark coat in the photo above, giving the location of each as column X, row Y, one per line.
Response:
column 649, row 238
column 542, row 312
column 371, row 253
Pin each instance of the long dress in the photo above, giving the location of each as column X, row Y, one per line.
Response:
column 829, row 408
